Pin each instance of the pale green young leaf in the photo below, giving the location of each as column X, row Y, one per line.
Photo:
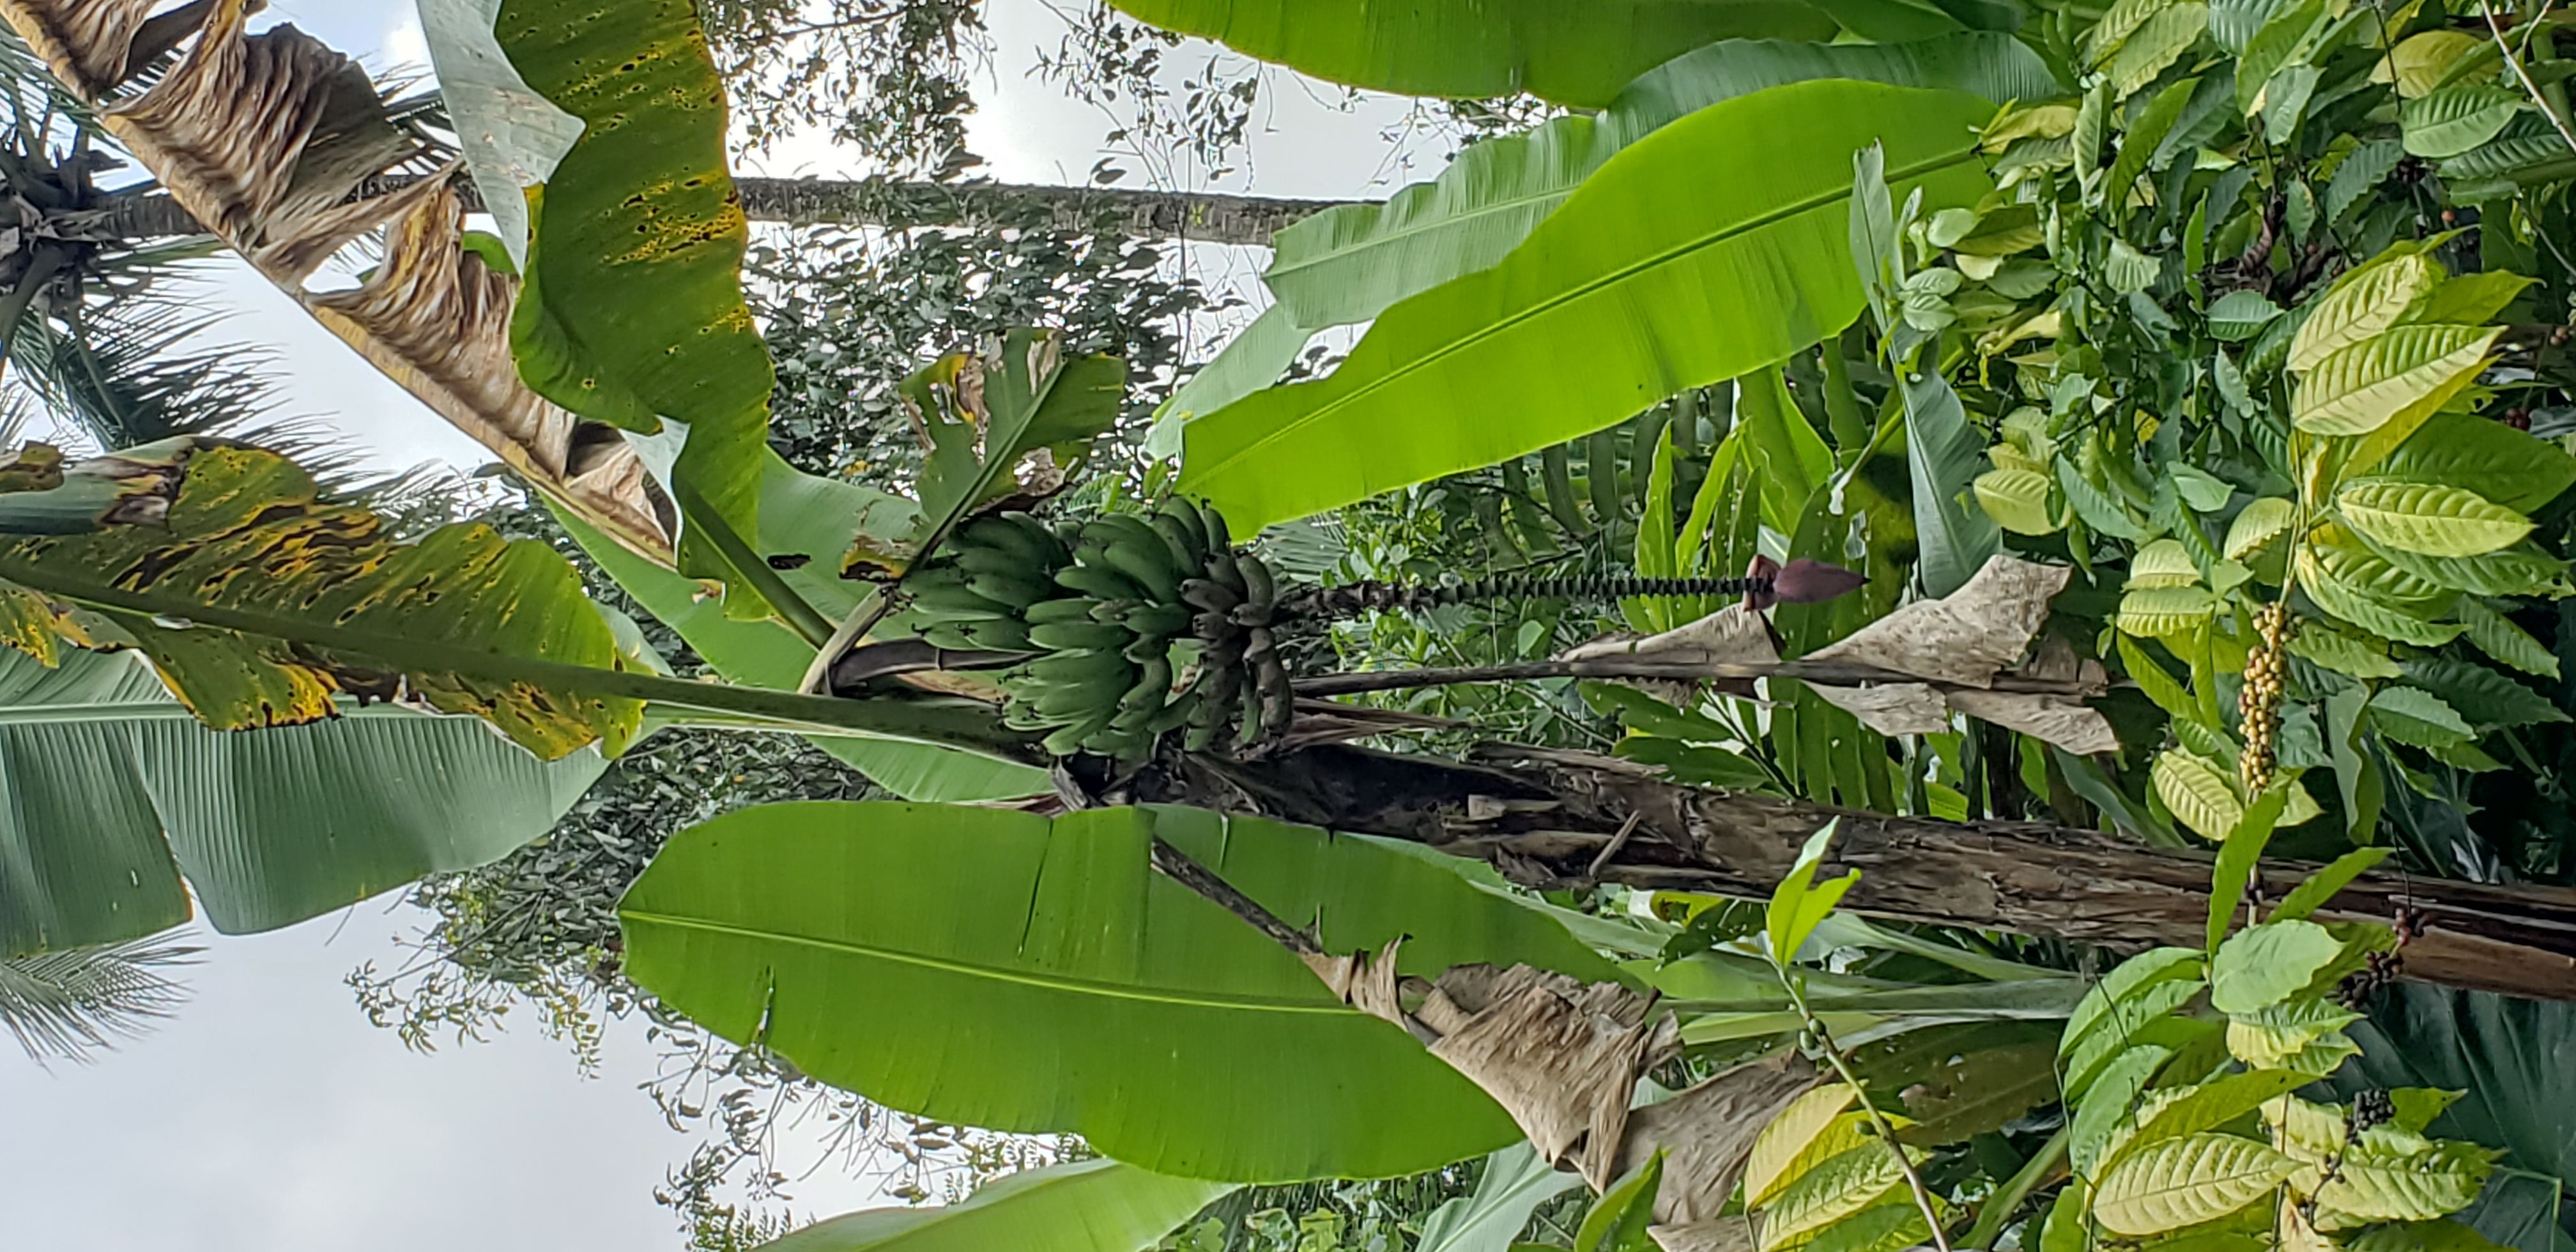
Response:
column 2186, row 1181
column 2065, row 1228
column 2505, row 465
column 2257, row 524
column 2378, row 1184
column 2320, row 887
column 2165, row 612
column 1892, row 1225
column 2110, row 1004
column 2434, row 1236
column 2263, row 965
column 1944, row 456
column 2017, row 499
column 2322, row 570
column 2179, row 1111
column 2198, row 792
column 2146, row 1021
column 1515, row 1183
column 2304, row 1034
column 1836, row 1189
column 2362, row 304
column 2157, row 43
column 2163, row 563
column 1799, row 904
column 2359, row 388
column 2099, row 509
column 2472, row 299
column 2430, row 518
column 1805, row 1134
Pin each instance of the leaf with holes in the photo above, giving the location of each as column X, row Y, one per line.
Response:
column 2187, row 1181
column 2358, row 389
column 2430, row 518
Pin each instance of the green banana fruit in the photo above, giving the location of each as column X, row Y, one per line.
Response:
column 1060, row 609
column 1203, row 593
column 1218, row 540
column 1067, row 636
column 1074, row 669
column 1222, row 568
column 1148, row 562
column 1017, row 591
column 1188, row 553
column 1260, row 589
column 1186, row 516
column 997, row 561
column 1152, row 687
column 1174, row 715
column 983, row 611
column 1003, row 635
column 1157, row 621
column 1114, row 610
column 1069, row 739
column 949, row 635
column 1073, row 703
column 1099, row 583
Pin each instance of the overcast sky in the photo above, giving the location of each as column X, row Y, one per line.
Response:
column 270, row 1117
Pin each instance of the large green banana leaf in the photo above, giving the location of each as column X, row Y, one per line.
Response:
column 1087, row 1206
column 803, row 515
column 1578, row 52
column 632, row 312
column 1000, row 969
column 115, row 791
column 1347, row 264
column 1712, row 247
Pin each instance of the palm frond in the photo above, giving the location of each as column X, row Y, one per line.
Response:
column 73, row 1004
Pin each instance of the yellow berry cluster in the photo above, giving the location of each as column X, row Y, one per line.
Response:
column 2260, row 700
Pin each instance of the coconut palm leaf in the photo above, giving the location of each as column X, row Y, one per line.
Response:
column 73, row 1004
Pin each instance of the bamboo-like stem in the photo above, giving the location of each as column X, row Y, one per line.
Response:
column 1832, row 673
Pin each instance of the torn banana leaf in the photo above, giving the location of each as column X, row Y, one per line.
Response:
column 187, row 535
column 285, row 150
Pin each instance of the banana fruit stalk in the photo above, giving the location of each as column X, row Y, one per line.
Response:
column 1099, row 607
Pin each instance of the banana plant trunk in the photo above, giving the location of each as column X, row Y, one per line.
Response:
column 1553, row 819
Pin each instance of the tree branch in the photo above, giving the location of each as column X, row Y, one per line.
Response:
column 1208, row 217
column 1543, row 817
column 1834, row 673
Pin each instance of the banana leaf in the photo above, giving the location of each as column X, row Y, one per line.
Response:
column 1085, row 1206
column 1709, row 249
column 1346, row 264
column 1007, row 970
column 1578, row 52
column 116, row 792
column 632, row 310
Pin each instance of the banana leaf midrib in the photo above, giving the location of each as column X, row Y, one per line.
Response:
column 954, row 727
column 170, row 711
column 1425, row 360
column 1045, row 982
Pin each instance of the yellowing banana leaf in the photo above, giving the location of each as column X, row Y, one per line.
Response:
column 633, row 310
column 279, row 145
column 1085, row 1206
column 1002, row 969
column 1708, row 249
column 1578, row 52
column 116, row 792
column 232, row 532
column 1346, row 264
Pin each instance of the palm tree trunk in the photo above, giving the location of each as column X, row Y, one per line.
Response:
column 1553, row 819
column 1207, row 217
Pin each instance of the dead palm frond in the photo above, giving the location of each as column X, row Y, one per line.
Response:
column 290, row 154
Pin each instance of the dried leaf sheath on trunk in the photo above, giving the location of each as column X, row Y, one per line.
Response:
column 1542, row 817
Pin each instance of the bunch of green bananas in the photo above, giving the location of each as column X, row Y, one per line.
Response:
column 1101, row 605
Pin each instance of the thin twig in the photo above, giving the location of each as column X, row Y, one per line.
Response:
column 1636, row 817
column 1831, row 673
column 2515, row 63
